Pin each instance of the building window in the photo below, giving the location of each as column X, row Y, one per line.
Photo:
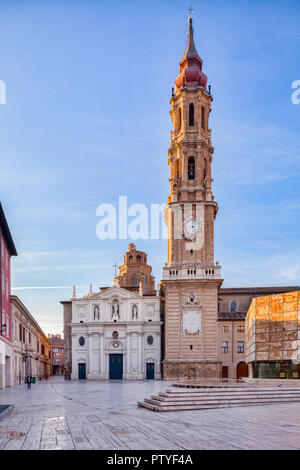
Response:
column 134, row 280
column 191, row 168
column 203, row 118
column 241, row 329
column 179, row 119
column 225, row 329
column 240, row 346
column 224, row 347
column 191, row 115
column 139, row 258
column 150, row 340
column 20, row 332
column 145, row 284
column 81, row 341
column 233, row 306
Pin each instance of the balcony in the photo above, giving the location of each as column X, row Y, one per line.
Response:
column 174, row 273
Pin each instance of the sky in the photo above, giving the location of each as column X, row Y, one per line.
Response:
column 86, row 120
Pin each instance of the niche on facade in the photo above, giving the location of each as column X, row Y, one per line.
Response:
column 134, row 312
column 96, row 312
column 115, row 309
column 150, row 310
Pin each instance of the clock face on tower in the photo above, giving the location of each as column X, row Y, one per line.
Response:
column 191, row 228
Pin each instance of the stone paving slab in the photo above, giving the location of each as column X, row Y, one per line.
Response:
column 87, row 415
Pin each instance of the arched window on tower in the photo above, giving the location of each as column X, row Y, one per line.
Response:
column 191, row 168
column 130, row 259
column 139, row 258
column 191, row 115
column 134, row 280
column 179, row 119
column 203, row 118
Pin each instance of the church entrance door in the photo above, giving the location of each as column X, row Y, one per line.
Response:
column 116, row 366
column 81, row 372
column 150, row 371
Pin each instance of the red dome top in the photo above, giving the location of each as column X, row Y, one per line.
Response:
column 190, row 66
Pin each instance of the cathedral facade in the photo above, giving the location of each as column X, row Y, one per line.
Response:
column 115, row 333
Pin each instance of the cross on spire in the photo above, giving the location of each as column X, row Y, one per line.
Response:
column 191, row 10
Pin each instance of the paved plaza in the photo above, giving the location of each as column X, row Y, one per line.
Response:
column 80, row 415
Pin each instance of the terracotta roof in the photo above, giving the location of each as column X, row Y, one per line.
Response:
column 6, row 233
column 258, row 290
column 55, row 340
column 225, row 316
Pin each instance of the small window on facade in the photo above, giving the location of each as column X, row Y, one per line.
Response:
column 191, row 115
column 203, row 118
column 150, row 340
column 191, row 168
column 225, row 347
column 240, row 346
column 134, row 280
column 233, row 306
column 225, row 329
column 241, row 329
column 81, row 341
column 179, row 119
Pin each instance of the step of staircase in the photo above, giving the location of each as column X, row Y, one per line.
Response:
column 172, row 400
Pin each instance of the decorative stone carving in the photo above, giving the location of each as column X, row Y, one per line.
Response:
column 191, row 322
column 115, row 309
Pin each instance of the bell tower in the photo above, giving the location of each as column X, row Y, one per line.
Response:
column 191, row 278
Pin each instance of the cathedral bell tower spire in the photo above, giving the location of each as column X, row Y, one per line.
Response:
column 190, row 66
column 191, row 277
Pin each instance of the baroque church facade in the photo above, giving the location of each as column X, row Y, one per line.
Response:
column 116, row 333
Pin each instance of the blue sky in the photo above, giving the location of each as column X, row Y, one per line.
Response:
column 87, row 119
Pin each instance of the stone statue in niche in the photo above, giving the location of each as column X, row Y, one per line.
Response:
column 115, row 309
column 134, row 312
column 96, row 312
column 150, row 310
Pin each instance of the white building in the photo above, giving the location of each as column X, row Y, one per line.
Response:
column 116, row 334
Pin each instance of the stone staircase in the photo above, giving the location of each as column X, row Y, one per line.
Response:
column 203, row 397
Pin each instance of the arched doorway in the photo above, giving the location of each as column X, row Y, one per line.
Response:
column 191, row 374
column 241, row 370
